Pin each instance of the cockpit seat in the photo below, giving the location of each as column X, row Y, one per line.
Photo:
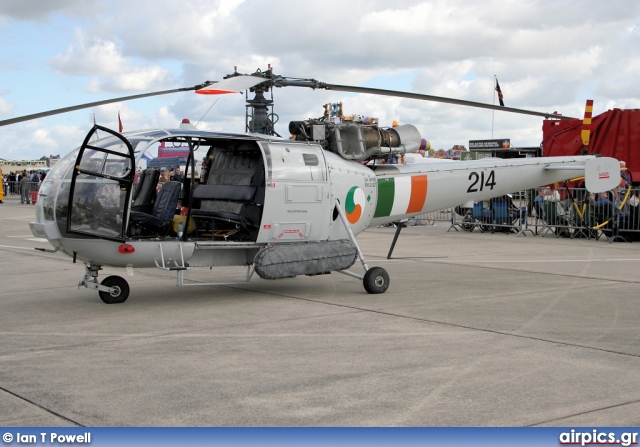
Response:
column 145, row 191
column 163, row 210
column 228, row 203
column 224, row 202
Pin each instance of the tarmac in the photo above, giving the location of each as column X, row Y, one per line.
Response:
column 476, row 329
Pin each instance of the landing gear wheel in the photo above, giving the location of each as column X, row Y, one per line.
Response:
column 376, row 280
column 121, row 292
column 467, row 223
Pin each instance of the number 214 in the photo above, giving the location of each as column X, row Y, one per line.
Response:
column 479, row 183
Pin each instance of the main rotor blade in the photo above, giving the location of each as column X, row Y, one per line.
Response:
column 461, row 102
column 92, row 104
column 235, row 84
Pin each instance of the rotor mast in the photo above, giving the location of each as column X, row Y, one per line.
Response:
column 259, row 114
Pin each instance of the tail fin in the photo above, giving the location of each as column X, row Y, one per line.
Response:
column 601, row 174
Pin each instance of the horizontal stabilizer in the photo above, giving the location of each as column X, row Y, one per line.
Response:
column 601, row 174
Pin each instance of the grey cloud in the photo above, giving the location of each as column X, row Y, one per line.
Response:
column 25, row 10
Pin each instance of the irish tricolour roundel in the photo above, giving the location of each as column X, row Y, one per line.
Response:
column 354, row 206
column 401, row 195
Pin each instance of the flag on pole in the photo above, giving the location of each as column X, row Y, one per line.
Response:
column 121, row 128
column 499, row 93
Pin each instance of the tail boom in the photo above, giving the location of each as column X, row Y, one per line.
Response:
column 408, row 190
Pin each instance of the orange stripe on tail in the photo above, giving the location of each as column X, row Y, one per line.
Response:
column 418, row 193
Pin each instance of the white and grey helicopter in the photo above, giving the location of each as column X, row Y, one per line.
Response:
column 282, row 207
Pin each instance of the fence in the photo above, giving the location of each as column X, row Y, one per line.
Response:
column 15, row 190
column 571, row 213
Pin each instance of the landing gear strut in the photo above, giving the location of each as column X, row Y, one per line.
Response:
column 112, row 290
column 375, row 279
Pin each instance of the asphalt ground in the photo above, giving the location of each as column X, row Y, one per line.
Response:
column 475, row 330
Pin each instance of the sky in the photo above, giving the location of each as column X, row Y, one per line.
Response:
column 548, row 56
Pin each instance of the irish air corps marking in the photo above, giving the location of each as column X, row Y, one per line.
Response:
column 354, row 205
column 401, row 195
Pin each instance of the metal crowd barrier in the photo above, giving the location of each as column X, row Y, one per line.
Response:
column 431, row 218
column 13, row 190
column 571, row 213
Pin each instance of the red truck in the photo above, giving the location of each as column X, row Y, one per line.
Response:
column 614, row 133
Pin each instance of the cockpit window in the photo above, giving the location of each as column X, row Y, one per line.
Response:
column 296, row 162
column 97, row 207
column 63, row 166
column 310, row 159
column 100, row 188
column 98, row 162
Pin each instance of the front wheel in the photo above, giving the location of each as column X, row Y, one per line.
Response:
column 376, row 280
column 120, row 291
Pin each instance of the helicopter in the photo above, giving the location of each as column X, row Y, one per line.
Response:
column 281, row 207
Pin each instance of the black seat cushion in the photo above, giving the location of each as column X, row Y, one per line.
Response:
column 146, row 220
column 224, row 202
column 164, row 207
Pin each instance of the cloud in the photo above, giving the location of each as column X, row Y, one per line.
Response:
column 548, row 55
column 110, row 71
column 24, row 10
column 6, row 108
column 197, row 31
column 139, row 79
column 89, row 56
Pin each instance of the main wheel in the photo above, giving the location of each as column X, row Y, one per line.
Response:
column 376, row 280
column 120, row 292
column 468, row 223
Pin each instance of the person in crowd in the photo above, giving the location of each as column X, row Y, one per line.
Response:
column 561, row 219
column 177, row 176
column 554, row 196
column 35, row 179
column 12, row 179
column 510, row 212
column 539, row 200
column 164, row 177
column 605, row 208
column 25, row 188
